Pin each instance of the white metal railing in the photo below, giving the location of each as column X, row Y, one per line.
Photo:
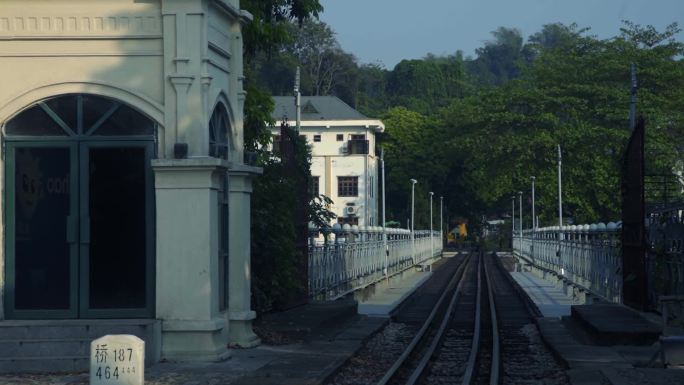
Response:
column 351, row 257
column 587, row 255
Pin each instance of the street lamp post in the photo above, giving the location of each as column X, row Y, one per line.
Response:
column 413, row 216
column 441, row 221
column 520, row 217
column 534, row 222
column 534, row 219
column 384, row 228
column 432, row 243
column 513, row 224
column 560, row 208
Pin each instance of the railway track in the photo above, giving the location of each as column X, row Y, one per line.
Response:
column 479, row 331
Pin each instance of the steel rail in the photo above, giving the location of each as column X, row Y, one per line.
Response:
column 475, row 347
column 418, row 372
column 458, row 276
column 496, row 351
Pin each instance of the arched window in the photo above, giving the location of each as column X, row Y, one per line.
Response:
column 218, row 133
column 219, row 148
column 80, row 115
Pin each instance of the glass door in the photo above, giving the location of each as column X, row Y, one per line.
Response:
column 116, row 236
column 42, row 237
column 79, row 210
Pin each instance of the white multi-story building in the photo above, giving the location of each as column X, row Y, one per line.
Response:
column 344, row 166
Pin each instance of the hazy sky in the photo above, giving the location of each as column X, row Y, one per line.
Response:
column 388, row 31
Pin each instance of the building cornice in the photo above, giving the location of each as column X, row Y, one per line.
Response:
column 232, row 11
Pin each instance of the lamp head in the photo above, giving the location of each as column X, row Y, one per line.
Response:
column 431, row 193
column 414, row 181
column 532, row 178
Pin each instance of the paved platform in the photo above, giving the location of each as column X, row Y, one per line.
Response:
column 381, row 299
column 385, row 296
column 301, row 346
column 614, row 324
column 592, row 359
column 550, row 300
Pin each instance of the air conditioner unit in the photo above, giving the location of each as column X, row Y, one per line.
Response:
column 351, row 210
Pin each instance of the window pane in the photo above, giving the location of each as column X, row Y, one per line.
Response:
column 126, row 121
column 314, row 186
column 65, row 108
column 347, row 186
column 218, row 133
column 42, row 205
column 94, row 107
column 34, row 121
column 117, row 228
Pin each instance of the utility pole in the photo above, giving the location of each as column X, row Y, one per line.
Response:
column 298, row 101
column 633, row 97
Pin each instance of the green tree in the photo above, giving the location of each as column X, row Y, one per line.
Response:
column 275, row 257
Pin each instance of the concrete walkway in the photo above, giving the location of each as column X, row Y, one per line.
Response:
column 576, row 346
column 307, row 344
column 550, row 300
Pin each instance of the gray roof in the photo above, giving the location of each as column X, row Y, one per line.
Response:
column 315, row 108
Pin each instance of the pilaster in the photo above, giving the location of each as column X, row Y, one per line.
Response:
column 185, row 42
column 187, row 283
column 240, row 312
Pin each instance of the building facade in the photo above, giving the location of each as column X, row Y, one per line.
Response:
column 125, row 194
column 344, row 166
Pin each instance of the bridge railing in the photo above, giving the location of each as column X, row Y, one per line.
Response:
column 350, row 257
column 587, row 255
column 665, row 234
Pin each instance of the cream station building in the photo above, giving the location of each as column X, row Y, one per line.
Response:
column 125, row 197
column 344, row 165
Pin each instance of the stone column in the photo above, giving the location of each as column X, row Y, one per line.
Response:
column 240, row 313
column 187, row 284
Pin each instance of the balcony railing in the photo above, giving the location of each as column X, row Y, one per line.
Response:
column 357, row 147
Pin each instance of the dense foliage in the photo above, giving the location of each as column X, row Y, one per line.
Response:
column 471, row 129
column 475, row 129
column 276, row 257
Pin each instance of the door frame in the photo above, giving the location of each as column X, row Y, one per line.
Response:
column 78, row 139
column 9, row 202
column 84, row 239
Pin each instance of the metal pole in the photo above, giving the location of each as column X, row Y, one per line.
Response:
column 413, row 216
column 520, row 222
column 534, row 225
column 513, row 223
column 441, row 221
column 384, row 229
column 633, row 97
column 298, row 101
column 560, row 189
column 560, row 205
column 432, row 245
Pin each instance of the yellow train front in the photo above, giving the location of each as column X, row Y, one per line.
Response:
column 457, row 236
